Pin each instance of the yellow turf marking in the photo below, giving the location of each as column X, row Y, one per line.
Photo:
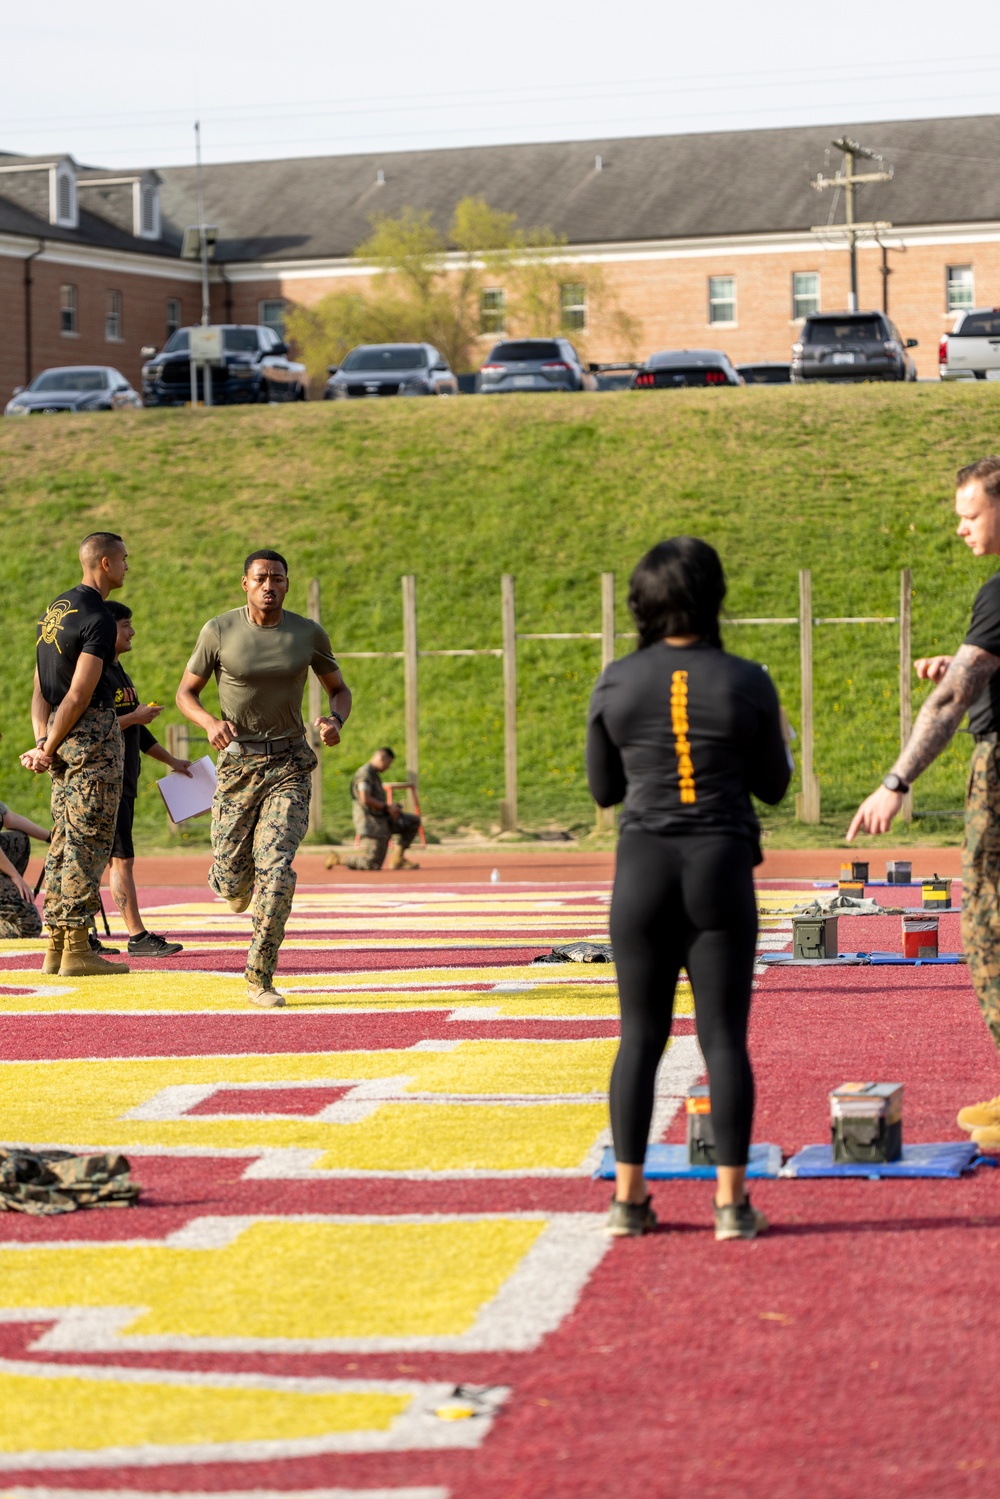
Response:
column 336, row 1280
column 46, row 1415
column 83, row 1103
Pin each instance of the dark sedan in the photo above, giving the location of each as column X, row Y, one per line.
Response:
column 673, row 369
column 390, row 370
column 765, row 372
column 254, row 366
column 86, row 387
column 851, row 346
column 534, row 364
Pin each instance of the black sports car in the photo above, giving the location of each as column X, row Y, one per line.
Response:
column 85, row 387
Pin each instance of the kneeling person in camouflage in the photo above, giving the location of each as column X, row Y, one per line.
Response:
column 377, row 820
column 260, row 656
column 19, row 916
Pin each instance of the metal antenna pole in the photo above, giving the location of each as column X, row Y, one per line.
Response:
column 205, row 316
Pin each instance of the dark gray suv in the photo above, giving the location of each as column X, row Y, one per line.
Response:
column 390, row 370
column 851, row 346
column 538, row 364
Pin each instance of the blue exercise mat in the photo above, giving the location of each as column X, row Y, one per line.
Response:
column 670, row 1163
column 846, row 959
column 944, row 1158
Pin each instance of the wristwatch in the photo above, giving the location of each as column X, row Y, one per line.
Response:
column 893, row 782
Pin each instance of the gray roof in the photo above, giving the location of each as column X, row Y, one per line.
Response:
column 649, row 187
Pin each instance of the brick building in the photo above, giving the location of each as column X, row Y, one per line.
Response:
column 708, row 239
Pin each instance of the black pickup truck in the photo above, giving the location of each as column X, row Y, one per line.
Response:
column 255, row 367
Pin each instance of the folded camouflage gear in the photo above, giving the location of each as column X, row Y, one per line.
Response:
column 56, row 1181
column 577, row 952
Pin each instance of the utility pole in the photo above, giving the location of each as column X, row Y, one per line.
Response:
column 202, row 236
column 848, row 179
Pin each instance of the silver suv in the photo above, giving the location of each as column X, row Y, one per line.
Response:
column 539, row 364
column 851, row 346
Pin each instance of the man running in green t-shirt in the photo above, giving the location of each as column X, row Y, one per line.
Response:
column 260, row 656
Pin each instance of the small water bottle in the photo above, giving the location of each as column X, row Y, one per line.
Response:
column 495, row 877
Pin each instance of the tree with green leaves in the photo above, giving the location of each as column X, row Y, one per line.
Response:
column 426, row 288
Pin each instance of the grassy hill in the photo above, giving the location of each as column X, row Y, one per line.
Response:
column 854, row 483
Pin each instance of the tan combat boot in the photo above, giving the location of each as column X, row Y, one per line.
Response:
column 78, row 961
column 52, row 961
column 400, row 861
column 980, row 1115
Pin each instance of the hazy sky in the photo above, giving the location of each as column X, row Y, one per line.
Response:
column 121, row 83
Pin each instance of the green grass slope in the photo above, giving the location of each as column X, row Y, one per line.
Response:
column 854, row 483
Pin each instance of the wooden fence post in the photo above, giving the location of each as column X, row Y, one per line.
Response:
column 606, row 815
column 905, row 670
column 508, row 807
column 808, row 801
column 410, row 690
column 316, row 707
column 178, row 738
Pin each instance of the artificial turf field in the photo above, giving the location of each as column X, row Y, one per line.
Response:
column 383, row 1192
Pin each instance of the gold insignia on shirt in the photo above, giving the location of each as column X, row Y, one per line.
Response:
column 681, row 728
column 54, row 621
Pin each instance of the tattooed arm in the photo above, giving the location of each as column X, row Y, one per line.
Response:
column 963, row 681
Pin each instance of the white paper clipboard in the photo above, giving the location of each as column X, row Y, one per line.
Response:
column 189, row 796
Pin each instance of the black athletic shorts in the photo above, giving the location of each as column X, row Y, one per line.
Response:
column 123, row 847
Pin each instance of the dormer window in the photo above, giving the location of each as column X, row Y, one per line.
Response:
column 147, row 218
column 63, row 209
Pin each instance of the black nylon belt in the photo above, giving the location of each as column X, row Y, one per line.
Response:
column 269, row 747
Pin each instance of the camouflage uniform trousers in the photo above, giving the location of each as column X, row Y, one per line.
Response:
column 981, row 882
column 260, row 815
column 376, row 831
column 86, row 789
column 17, row 918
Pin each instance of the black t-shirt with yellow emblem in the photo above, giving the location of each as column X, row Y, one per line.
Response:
column 77, row 623
column 137, row 737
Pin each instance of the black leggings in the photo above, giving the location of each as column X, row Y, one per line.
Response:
column 685, row 901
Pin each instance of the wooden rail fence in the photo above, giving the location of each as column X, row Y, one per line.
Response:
column 179, row 737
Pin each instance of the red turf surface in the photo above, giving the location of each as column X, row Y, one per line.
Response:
column 851, row 1352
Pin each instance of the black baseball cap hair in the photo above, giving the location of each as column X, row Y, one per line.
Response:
column 385, row 750
column 117, row 610
column 264, row 555
column 678, row 589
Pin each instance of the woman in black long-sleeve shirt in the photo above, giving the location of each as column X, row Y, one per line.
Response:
column 682, row 733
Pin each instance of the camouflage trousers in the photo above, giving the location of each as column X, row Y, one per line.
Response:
column 260, row 815
column 17, row 918
column 86, row 789
column 376, row 833
column 981, row 883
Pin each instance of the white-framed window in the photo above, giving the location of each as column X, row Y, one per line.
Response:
column 722, row 299
column 573, row 307
column 113, row 327
column 805, row 294
column 173, row 315
column 67, row 310
column 271, row 313
column 492, row 310
column 960, row 288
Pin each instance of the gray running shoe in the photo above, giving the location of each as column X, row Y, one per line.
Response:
column 739, row 1220
column 149, row 945
column 629, row 1220
column 96, row 945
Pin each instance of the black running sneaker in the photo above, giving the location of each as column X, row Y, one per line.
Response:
column 149, row 945
column 628, row 1220
column 96, row 945
column 739, row 1220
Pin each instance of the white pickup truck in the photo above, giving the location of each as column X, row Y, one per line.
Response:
column 971, row 351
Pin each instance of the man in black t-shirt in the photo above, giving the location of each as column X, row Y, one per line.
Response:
column 133, row 720
column 78, row 742
column 966, row 682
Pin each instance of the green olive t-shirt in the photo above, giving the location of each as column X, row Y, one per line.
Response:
column 261, row 670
